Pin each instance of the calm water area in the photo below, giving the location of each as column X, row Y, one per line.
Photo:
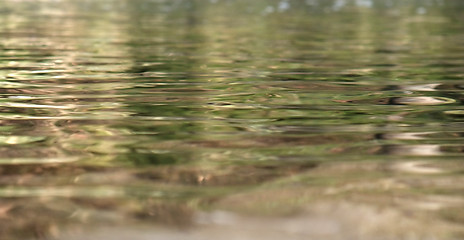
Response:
column 232, row 119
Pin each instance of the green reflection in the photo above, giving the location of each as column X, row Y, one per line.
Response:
column 266, row 114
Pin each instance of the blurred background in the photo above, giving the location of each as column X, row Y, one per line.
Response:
column 231, row 119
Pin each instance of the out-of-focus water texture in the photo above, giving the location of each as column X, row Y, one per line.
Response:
column 232, row 119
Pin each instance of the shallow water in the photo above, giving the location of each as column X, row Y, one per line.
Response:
column 231, row 119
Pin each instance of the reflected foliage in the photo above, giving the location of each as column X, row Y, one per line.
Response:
column 183, row 115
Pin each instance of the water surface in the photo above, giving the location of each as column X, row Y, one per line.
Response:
column 231, row 119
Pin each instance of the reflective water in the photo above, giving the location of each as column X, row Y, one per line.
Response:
column 231, row 119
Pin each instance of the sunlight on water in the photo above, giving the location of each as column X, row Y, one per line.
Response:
column 231, row 119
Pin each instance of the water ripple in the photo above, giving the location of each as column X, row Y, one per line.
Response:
column 155, row 112
column 419, row 167
column 47, row 160
column 422, row 101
